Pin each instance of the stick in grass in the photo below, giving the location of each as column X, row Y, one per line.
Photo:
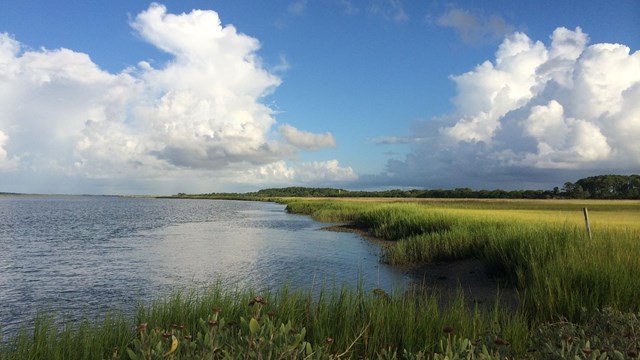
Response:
column 586, row 221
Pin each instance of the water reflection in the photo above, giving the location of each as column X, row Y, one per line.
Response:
column 85, row 255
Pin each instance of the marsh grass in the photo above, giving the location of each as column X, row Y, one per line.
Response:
column 351, row 321
column 412, row 321
column 540, row 247
column 339, row 323
column 47, row 339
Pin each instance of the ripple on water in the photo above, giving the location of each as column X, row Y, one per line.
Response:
column 85, row 255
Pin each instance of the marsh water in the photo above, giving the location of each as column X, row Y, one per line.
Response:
column 86, row 255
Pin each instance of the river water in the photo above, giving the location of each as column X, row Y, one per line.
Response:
column 85, row 255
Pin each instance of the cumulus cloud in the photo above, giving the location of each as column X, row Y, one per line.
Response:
column 45, row 98
column 475, row 28
column 5, row 162
column 201, row 113
column 307, row 140
column 488, row 92
column 537, row 113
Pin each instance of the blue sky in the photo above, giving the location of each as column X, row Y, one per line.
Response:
column 122, row 97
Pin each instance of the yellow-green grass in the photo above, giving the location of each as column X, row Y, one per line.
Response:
column 540, row 246
column 602, row 212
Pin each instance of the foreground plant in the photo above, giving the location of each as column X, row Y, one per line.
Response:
column 267, row 336
column 263, row 338
column 341, row 325
column 256, row 337
column 606, row 334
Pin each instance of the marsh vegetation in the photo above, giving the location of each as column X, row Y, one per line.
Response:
column 539, row 246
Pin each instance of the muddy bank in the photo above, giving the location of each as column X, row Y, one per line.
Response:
column 469, row 276
column 448, row 278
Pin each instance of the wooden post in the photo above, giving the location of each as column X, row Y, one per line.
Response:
column 586, row 221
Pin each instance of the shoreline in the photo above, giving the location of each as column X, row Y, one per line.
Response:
column 448, row 278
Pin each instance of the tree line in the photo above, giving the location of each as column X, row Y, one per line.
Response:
column 594, row 187
column 604, row 187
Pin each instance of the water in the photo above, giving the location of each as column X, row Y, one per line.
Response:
column 84, row 256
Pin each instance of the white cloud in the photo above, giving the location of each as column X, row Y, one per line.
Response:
column 562, row 142
column 488, row 92
column 317, row 172
column 45, row 98
column 6, row 164
column 307, row 140
column 475, row 28
column 200, row 114
column 281, row 66
column 536, row 113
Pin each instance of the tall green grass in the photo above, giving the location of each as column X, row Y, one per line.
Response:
column 47, row 339
column 413, row 320
column 325, row 210
column 540, row 247
column 365, row 324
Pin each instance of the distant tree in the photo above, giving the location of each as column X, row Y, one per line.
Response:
column 604, row 187
column 594, row 187
column 462, row 193
column 579, row 192
column 567, row 189
column 610, row 186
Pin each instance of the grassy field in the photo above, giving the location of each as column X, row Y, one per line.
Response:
column 579, row 297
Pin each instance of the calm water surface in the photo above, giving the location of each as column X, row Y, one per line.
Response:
column 86, row 255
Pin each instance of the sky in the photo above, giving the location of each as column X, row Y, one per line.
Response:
column 198, row 96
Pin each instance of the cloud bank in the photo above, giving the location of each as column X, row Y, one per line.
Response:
column 537, row 115
column 199, row 115
column 317, row 172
